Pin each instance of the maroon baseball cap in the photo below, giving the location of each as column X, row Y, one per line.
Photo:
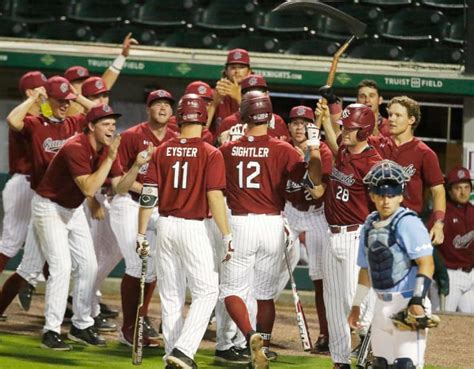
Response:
column 158, row 95
column 76, row 73
column 200, row 88
column 31, row 80
column 93, row 86
column 101, row 111
column 238, row 56
column 253, row 81
column 59, row 88
column 458, row 174
column 302, row 111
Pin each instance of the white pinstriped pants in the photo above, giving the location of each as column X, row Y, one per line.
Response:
column 184, row 254
column 340, row 274
column 16, row 196
column 32, row 262
column 461, row 292
column 66, row 243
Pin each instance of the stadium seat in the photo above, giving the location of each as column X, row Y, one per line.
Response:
column 439, row 54
column 386, row 2
column 192, row 38
column 64, row 30
column 455, row 32
column 257, row 43
column 415, row 24
column 11, row 28
column 164, row 12
column 445, row 4
column 116, row 35
column 37, row 11
column 226, row 15
column 313, row 47
column 377, row 51
column 288, row 23
column 101, row 11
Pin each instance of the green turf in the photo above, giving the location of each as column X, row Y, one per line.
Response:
column 24, row 352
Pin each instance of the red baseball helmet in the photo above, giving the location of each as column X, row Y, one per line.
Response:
column 256, row 108
column 358, row 116
column 191, row 109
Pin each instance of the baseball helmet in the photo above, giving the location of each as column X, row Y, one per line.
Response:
column 256, row 108
column 360, row 117
column 386, row 178
column 191, row 109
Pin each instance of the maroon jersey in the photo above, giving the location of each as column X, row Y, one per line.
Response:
column 185, row 170
column 207, row 135
column 347, row 199
column 256, row 173
column 228, row 106
column 276, row 127
column 46, row 138
column 419, row 161
column 19, row 153
column 298, row 195
column 458, row 246
column 76, row 158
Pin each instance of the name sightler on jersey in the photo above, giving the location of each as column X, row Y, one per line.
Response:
column 255, row 152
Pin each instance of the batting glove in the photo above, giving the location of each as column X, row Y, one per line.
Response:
column 227, row 243
column 143, row 247
column 328, row 93
column 313, row 136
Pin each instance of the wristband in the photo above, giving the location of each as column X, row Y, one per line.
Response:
column 361, row 291
column 335, row 108
column 439, row 216
column 422, row 286
column 118, row 63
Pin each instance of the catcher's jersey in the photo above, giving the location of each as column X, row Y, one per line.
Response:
column 413, row 236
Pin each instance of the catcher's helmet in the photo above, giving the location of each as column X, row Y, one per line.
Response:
column 256, row 108
column 361, row 117
column 191, row 109
column 387, row 178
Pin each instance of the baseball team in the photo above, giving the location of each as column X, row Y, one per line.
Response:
column 212, row 196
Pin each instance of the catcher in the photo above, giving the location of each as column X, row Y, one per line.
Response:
column 395, row 257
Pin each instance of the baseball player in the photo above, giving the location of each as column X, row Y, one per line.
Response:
column 124, row 213
column 395, row 257
column 76, row 75
column 346, row 206
column 186, row 178
column 256, row 170
column 456, row 249
column 305, row 215
column 45, row 137
column 231, row 128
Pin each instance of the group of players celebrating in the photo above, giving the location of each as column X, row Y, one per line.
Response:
column 211, row 197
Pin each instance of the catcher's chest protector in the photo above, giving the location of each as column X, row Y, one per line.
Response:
column 388, row 261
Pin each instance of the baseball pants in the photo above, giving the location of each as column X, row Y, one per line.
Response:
column 461, row 292
column 32, row 262
column 66, row 243
column 184, row 254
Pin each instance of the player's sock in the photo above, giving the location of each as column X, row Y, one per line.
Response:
column 149, row 288
column 320, row 307
column 10, row 289
column 130, row 291
column 46, row 271
column 3, row 261
column 265, row 319
column 238, row 312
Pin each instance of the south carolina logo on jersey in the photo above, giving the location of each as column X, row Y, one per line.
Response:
column 52, row 146
column 348, row 180
column 143, row 169
column 463, row 242
column 410, row 170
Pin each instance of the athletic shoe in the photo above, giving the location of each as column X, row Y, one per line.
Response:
column 178, row 360
column 103, row 325
column 258, row 357
column 51, row 340
column 3, row 318
column 271, row 355
column 108, row 312
column 321, row 346
column 150, row 331
column 341, row 366
column 232, row 355
column 88, row 336
column 127, row 339
column 25, row 295
column 355, row 352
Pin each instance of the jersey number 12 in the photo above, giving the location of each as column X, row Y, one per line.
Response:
column 249, row 180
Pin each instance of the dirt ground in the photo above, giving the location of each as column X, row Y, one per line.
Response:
column 449, row 345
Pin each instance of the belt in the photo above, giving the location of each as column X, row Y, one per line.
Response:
column 307, row 208
column 467, row 269
column 388, row 296
column 244, row 214
column 343, row 229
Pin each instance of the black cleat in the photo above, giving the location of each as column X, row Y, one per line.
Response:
column 178, row 360
column 321, row 346
column 271, row 355
column 88, row 336
column 232, row 355
column 341, row 366
column 150, row 331
column 25, row 295
column 108, row 312
column 103, row 325
column 51, row 340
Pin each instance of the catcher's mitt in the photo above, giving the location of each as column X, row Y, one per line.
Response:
column 406, row 321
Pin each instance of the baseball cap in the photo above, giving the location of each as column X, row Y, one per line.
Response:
column 101, row 111
column 93, row 86
column 159, row 94
column 238, row 56
column 302, row 111
column 31, row 80
column 59, row 88
column 200, row 88
column 253, row 81
column 458, row 174
column 76, row 73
